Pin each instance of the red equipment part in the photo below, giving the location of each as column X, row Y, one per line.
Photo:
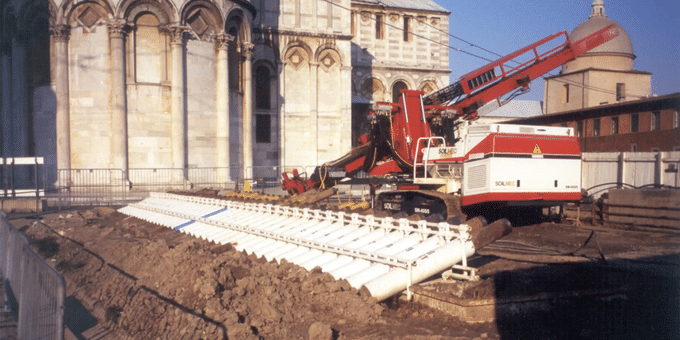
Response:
column 396, row 127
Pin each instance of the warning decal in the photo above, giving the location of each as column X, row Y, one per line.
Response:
column 537, row 149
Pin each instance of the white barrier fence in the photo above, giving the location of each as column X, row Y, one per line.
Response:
column 34, row 291
column 602, row 171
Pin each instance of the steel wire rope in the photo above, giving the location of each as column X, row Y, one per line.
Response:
column 548, row 74
column 414, row 34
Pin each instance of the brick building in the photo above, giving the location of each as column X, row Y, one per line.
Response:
column 649, row 124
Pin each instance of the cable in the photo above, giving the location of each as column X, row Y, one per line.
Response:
column 590, row 87
column 548, row 74
column 414, row 34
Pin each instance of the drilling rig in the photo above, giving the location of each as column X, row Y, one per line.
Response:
column 442, row 164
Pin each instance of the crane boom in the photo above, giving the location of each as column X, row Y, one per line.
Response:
column 495, row 79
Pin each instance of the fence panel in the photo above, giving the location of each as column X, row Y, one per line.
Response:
column 640, row 168
column 88, row 187
column 599, row 172
column 602, row 171
column 670, row 163
column 41, row 302
column 35, row 292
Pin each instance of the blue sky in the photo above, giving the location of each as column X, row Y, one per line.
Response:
column 503, row 26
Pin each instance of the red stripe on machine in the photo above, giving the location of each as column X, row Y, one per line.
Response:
column 527, row 144
column 521, row 196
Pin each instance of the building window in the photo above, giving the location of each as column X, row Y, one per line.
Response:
column 634, row 122
column 620, row 91
column 633, row 147
column 262, row 88
column 263, row 129
column 565, row 93
column 379, row 26
column 407, row 28
column 353, row 23
column 579, row 129
column 596, row 127
column 656, row 121
column 614, row 126
column 675, row 119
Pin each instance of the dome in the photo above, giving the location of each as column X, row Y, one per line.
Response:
column 598, row 20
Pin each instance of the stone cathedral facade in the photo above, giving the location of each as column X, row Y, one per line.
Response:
column 126, row 84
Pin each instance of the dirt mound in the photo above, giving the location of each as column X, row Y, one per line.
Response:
column 150, row 282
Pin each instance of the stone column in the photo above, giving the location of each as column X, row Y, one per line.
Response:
column 247, row 50
column 282, row 114
column 60, row 35
column 222, row 105
column 314, row 107
column 178, row 99
column 119, row 141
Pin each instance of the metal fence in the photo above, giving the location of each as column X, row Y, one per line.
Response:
column 66, row 188
column 22, row 182
column 34, row 291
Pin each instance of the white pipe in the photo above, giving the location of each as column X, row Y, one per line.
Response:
column 395, row 280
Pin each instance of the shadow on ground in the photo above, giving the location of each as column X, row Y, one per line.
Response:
column 626, row 299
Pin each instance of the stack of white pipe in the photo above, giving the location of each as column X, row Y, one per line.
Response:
column 370, row 252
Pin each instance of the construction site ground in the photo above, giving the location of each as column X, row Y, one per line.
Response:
column 128, row 279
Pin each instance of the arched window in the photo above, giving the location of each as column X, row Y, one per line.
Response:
column 234, row 62
column 396, row 90
column 38, row 47
column 148, row 49
column 262, row 87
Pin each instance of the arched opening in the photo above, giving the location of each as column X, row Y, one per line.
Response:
column 148, row 49
column 396, row 90
column 234, row 56
column 262, row 87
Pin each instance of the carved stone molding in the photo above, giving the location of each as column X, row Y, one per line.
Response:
column 118, row 28
column 247, row 50
column 223, row 40
column 60, row 32
column 177, row 34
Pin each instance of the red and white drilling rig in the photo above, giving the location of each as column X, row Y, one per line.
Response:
column 440, row 163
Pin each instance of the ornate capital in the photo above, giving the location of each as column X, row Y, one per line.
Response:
column 247, row 50
column 60, row 32
column 223, row 40
column 177, row 34
column 118, row 28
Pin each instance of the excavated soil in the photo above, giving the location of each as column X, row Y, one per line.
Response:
column 129, row 279
column 142, row 281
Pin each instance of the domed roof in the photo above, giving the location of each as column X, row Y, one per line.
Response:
column 598, row 19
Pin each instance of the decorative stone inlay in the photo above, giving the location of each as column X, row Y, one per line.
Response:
column 394, row 17
column 328, row 59
column 199, row 23
column 434, row 21
column 297, row 58
column 88, row 17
